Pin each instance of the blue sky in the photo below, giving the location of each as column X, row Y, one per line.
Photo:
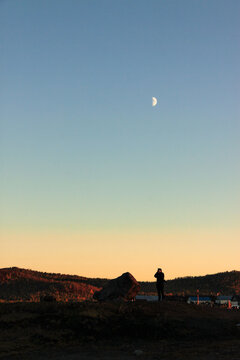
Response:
column 81, row 146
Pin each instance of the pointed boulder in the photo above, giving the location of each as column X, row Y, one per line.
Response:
column 124, row 287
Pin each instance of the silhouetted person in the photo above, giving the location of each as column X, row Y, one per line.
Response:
column 160, row 284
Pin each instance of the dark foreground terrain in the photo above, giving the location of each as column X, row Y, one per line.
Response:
column 89, row 330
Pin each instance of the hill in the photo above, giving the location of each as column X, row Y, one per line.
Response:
column 27, row 285
column 220, row 283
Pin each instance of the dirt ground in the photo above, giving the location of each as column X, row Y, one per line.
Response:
column 166, row 350
column 89, row 331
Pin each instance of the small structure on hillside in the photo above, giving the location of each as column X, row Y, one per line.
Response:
column 199, row 300
column 235, row 301
column 223, row 299
column 232, row 301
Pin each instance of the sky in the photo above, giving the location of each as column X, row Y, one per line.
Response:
column 94, row 180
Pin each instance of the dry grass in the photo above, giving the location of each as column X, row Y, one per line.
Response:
column 166, row 328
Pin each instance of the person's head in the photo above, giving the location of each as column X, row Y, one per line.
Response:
column 159, row 270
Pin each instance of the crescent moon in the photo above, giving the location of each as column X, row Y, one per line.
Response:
column 154, row 101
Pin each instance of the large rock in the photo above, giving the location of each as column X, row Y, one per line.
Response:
column 124, row 287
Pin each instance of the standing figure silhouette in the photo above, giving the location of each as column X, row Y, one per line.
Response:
column 160, row 284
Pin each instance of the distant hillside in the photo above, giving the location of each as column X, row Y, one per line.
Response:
column 223, row 283
column 27, row 285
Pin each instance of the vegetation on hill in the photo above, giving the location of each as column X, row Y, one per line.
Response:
column 27, row 285
column 227, row 283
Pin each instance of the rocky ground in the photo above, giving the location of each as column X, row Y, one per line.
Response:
column 91, row 330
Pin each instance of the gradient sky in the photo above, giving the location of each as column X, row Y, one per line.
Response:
column 94, row 180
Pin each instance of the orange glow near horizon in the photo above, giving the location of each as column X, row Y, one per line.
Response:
column 107, row 254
